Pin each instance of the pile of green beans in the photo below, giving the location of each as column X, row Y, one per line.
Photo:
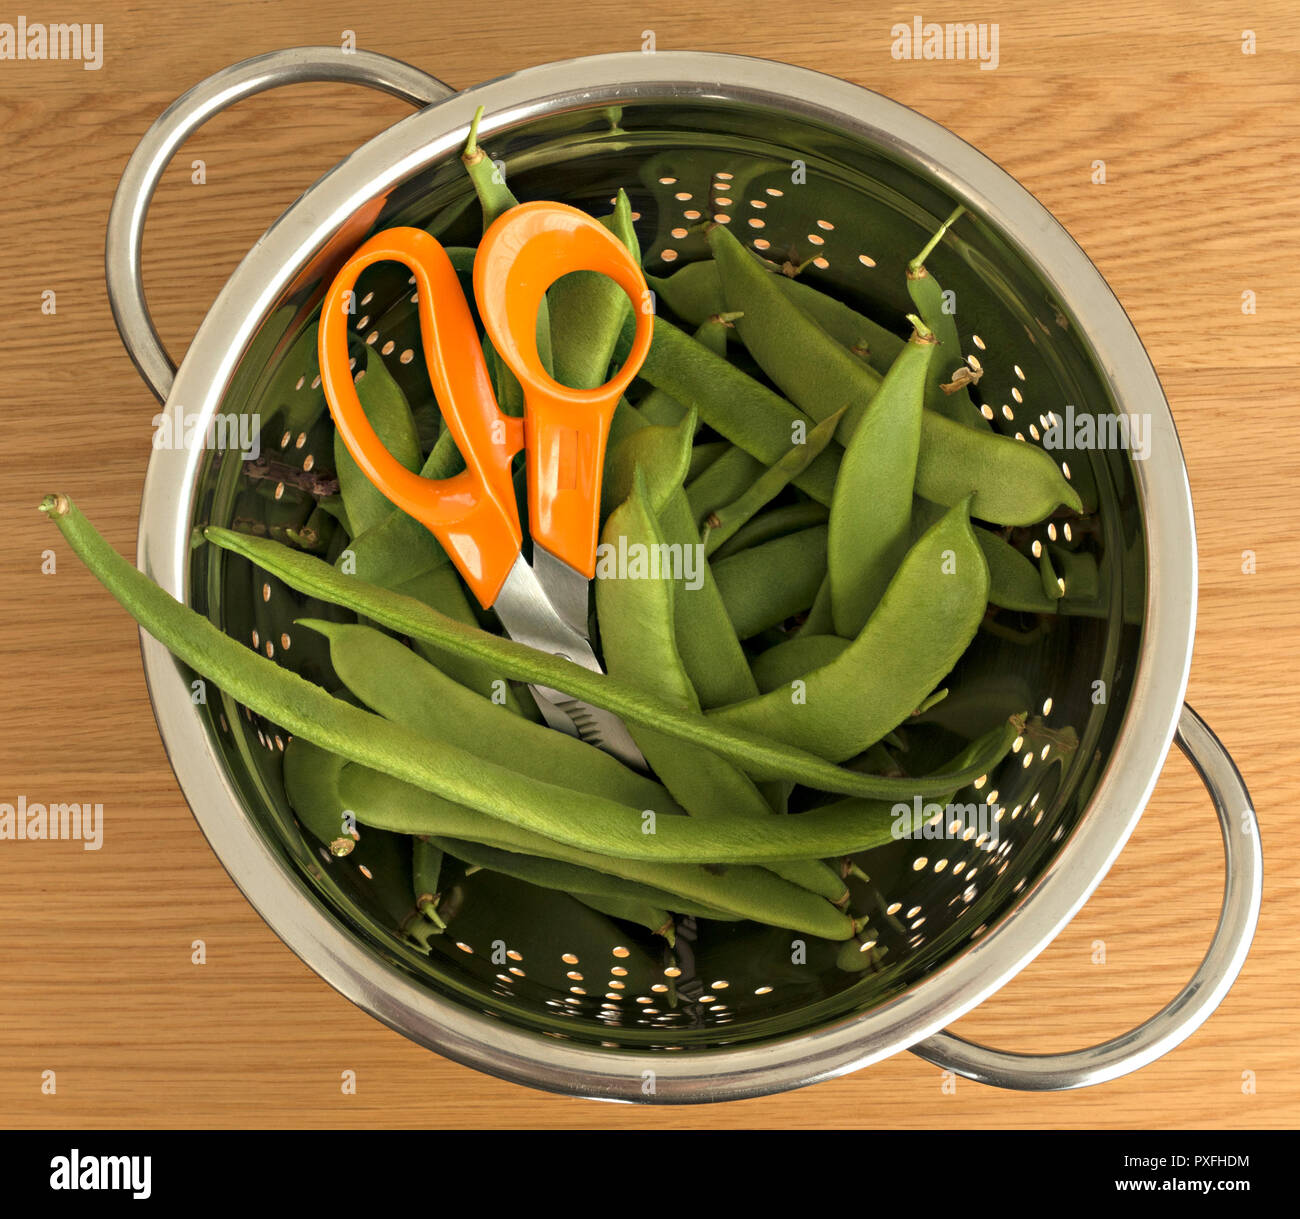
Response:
column 856, row 522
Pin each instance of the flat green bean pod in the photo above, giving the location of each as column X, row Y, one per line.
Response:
column 1012, row 487
column 695, row 292
column 627, row 419
column 723, row 481
column 807, row 365
column 426, row 874
column 1079, row 573
column 1014, row 581
column 640, row 645
column 843, row 827
column 557, row 874
column 945, row 387
column 587, row 311
column 748, row 891
column 496, row 198
column 1015, row 483
column 311, row 778
column 391, row 680
column 764, row 585
column 402, row 555
column 1049, row 581
column 662, row 452
column 872, row 507
column 581, row 881
column 707, row 645
column 731, row 402
column 387, row 410
column 455, row 777
column 654, row 919
column 704, row 455
column 774, row 523
column 796, row 657
column 723, row 522
column 820, row 619
column 924, row 622
column 762, row 757
column 662, row 408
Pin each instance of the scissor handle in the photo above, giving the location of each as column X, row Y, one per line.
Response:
column 473, row 514
column 521, row 255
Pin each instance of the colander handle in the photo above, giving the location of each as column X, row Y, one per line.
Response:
column 1209, row 984
column 295, row 65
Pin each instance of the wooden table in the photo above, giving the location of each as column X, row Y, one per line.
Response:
column 1200, row 145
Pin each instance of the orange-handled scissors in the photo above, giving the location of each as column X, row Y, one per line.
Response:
column 563, row 431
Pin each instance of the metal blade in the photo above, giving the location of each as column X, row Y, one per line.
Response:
column 529, row 617
column 565, row 588
column 594, row 725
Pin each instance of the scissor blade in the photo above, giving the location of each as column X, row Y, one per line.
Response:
column 551, row 713
column 594, row 725
column 530, row 618
column 565, row 588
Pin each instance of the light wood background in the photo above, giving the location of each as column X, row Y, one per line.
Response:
column 96, row 982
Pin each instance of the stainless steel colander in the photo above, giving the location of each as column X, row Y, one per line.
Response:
column 528, row 984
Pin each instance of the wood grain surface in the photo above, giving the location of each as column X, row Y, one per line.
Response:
column 96, row 981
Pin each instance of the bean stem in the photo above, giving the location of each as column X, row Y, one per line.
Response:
column 918, row 263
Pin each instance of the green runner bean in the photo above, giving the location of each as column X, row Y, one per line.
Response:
column 654, row 919
column 820, row 619
column 1015, row 483
column 391, row 680
column 706, row 642
column 872, row 507
column 1014, row 582
column 640, row 645
column 454, row 776
column 774, row 523
column 843, row 827
column 704, row 455
column 928, row 297
column 695, row 292
column 723, row 481
column 731, row 402
column 571, row 878
column 381, row 801
column 760, row 756
column 587, row 311
column 723, row 522
column 387, row 410
column 806, row 364
column 660, row 407
column 796, row 657
column 311, row 777
column 426, row 872
column 496, row 198
column 763, row 586
column 924, row 622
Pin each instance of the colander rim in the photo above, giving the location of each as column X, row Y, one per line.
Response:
column 1044, row 908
